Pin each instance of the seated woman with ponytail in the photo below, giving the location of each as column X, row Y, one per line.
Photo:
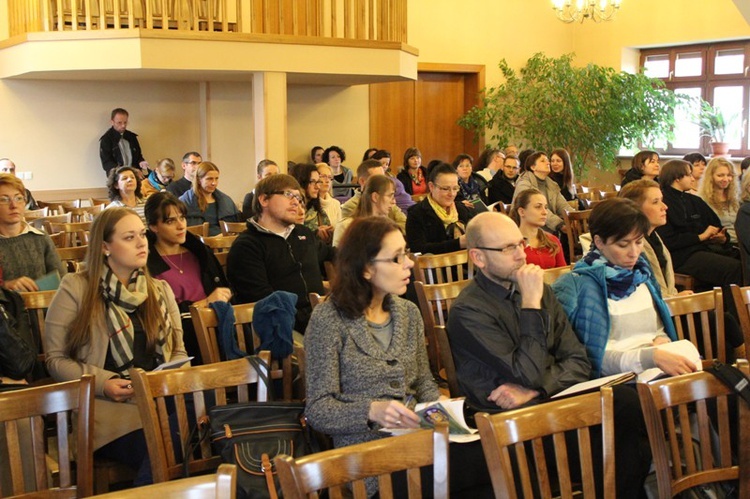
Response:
column 107, row 319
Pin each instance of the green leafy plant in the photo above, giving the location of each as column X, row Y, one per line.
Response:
column 591, row 111
column 712, row 122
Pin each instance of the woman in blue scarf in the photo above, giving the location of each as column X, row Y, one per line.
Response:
column 473, row 186
column 613, row 300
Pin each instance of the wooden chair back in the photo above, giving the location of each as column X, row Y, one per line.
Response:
column 97, row 201
column 42, row 223
column 573, row 203
column 72, row 257
column 156, row 390
column 221, row 485
column 446, row 267
column 76, row 233
column 85, row 213
column 680, row 414
column 744, row 261
column 576, row 223
column 37, row 303
column 23, row 414
column 700, row 318
column 58, row 239
column 551, row 275
column 741, row 297
column 446, row 361
column 335, row 469
column 54, row 208
column 232, row 228
column 505, row 437
column 219, row 244
column 316, row 299
column 29, row 215
column 587, row 196
column 199, row 230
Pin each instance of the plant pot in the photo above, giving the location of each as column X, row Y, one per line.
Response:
column 719, row 149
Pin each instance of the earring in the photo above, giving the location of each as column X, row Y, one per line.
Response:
column 106, row 254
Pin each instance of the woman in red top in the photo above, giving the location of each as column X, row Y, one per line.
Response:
column 413, row 175
column 530, row 213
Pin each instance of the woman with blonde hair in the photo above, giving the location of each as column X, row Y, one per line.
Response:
column 328, row 203
column 720, row 190
column 159, row 178
column 378, row 197
column 107, row 319
column 530, row 214
column 206, row 203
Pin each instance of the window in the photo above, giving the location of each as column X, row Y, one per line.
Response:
column 716, row 72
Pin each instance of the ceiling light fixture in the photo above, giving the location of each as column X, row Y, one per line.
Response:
column 570, row 11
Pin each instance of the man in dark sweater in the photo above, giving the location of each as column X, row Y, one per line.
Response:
column 503, row 184
column 275, row 253
column 119, row 146
column 190, row 162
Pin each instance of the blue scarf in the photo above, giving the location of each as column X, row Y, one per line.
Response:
column 621, row 282
column 470, row 190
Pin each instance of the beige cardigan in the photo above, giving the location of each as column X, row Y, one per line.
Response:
column 112, row 420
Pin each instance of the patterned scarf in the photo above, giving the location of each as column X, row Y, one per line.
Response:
column 621, row 282
column 121, row 300
column 469, row 190
column 453, row 226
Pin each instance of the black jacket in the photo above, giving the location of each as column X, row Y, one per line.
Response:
column 17, row 346
column 425, row 232
column 260, row 263
column 500, row 189
column 109, row 150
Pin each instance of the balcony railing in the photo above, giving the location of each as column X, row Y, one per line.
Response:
column 376, row 20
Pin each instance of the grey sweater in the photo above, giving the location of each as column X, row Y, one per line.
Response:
column 31, row 254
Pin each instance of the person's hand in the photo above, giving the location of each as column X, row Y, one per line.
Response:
column 530, row 280
column 462, row 241
column 118, row 389
column 708, row 233
column 563, row 228
column 660, row 340
column 219, row 294
column 720, row 237
column 510, row 396
column 468, row 204
column 685, row 292
column 672, row 363
column 11, row 381
column 325, row 233
column 392, row 414
column 22, row 284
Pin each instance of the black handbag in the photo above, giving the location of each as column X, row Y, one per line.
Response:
column 251, row 435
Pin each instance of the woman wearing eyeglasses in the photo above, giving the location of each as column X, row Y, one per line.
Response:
column 365, row 350
column 536, row 176
column 26, row 254
column 530, row 214
column 437, row 224
column 316, row 219
column 330, row 204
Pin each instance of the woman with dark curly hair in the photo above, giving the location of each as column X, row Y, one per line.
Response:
column 335, row 157
column 124, row 185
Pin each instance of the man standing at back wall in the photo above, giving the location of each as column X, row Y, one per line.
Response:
column 119, row 146
column 190, row 162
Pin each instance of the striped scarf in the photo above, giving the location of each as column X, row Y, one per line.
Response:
column 121, row 300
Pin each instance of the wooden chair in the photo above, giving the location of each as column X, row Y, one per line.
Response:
column 692, row 319
column 73, row 257
column 219, row 244
column 334, row 469
column 446, row 267
column 205, row 323
column 573, row 203
column 58, row 239
column 54, row 208
column 232, row 228
column 29, row 215
column 446, row 361
column 97, row 201
column 85, row 213
column 76, row 233
column 741, row 297
column 576, row 223
column 31, row 408
column 153, row 391
column 587, row 196
column 316, row 299
column 551, row 275
column 199, row 230
column 221, row 485
column 42, row 223
column 505, row 436
column 434, row 302
column 36, row 304
column 670, row 405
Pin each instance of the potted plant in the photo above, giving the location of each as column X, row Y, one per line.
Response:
column 714, row 125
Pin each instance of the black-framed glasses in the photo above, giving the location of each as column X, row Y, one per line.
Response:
column 508, row 249
column 290, row 195
column 398, row 259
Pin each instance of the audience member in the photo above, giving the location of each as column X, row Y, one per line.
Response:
column 489, row 163
column 17, row 346
column 699, row 166
column 366, row 170
column 368, row 153
column 413, row 175
column 330, row 205
column 26, row 254
column 124, row 188
column 275, row 253
column 403, row 199
column 530, row 214
column 377, row 199
column 502, row 186
column 316, row 219
column 536, row 176
column 742, row 224
column 366, row 354
column 107, row 319
column 206, row 203
column 7, row 166
column 119, row 146
column 645, row 165
column 720, row 190
column 744, row 166
column 693, row 233
column 184, row 262
column 522, row 159
column 472, row 185
column 316, row 155
column 335, row 157
column 562, row 173
column 159, row 178
column 437, row 224
column 190, row 162
column 510, row 150
column 265, row 168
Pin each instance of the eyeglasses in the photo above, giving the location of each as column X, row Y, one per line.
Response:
column 508, row 249
column 448, row 188
column 193, row 163
column 316, row 182
column 290, row 195
column 17, row 199
column 398, row 259
column 509, row 167
column 326, row 177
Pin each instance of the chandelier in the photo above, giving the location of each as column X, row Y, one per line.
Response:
column 570, row 11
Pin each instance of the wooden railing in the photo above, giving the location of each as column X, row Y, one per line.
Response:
column 383, row 20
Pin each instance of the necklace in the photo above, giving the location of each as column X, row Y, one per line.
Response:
column 171, row 263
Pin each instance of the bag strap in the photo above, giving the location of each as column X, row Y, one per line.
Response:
column 733, row 378
column 261, row 367
column 267, row 469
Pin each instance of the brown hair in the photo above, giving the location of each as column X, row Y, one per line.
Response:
column 376, row 183
column 615, row 218
column 114, row 177
column 636, row 190
column 639, row 160
column 270, row 186
column 522, row 201
column 203, row 169
column 12, row 181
